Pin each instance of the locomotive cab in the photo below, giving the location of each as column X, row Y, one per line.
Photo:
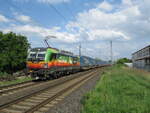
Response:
column 36, row 59
column 39, row 61
column 50, row 62
column 33, row 56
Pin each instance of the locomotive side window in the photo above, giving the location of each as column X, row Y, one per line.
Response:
column 32, row 55
column 41, row 55
column 53, row 57
column 75, row 60
column 58, row 56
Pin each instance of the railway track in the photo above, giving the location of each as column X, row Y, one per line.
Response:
column 13, row 88
column 41, row 101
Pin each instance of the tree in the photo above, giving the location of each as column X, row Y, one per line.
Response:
column 13, row 54
column 123, row 60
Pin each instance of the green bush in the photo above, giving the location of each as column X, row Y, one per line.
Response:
column 3, row 74
column 13, row 52
column 123, row 60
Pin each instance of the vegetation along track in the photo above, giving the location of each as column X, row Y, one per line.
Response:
column 13, row 88
column 41, row 101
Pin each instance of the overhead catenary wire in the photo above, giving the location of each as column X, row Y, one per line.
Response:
column 52, row 6
column 22, row 11
column 57, row 11
column 111, row 52
column 68, row 9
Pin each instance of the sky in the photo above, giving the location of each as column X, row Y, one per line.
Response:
column 91, row 23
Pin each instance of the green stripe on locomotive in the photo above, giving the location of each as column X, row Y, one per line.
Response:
column 60, row 57
column 49, row 53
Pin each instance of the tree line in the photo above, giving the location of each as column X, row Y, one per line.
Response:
column 13, row 52
column 123, row 60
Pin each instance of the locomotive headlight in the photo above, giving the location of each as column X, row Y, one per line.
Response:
column 45, row 65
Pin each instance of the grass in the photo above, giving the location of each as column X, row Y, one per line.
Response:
column 120, row 90
column 16, row 81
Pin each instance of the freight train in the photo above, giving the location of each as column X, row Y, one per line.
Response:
column 47, row 63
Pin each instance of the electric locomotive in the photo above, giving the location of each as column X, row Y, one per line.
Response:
column 46, row 63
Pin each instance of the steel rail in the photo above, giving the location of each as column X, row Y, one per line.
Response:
column 36, row 93
column 16, row 87
column 35, row 108
column 12, row 85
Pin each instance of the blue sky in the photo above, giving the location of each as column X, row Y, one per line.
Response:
column 93, row 23
column 43, row 13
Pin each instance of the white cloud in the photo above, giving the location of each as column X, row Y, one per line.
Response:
column 126, row 23
column 3, row 19
column 127, row 2
column 31, row 31
column 129, row 22
column 23, row 18
column 107, row 35
column 105, row 6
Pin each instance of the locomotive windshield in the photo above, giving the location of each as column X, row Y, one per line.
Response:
column 36, row 56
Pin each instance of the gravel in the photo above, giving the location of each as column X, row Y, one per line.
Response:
column 72, row 103
column 29, row 90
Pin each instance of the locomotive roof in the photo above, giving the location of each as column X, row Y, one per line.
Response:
column 41, row 49
column 38, row 49
column 66, row 52
column 63, row 52
column 74, row 56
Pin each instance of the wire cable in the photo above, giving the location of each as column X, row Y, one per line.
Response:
column 68, row 9
column 52, row 6
column 57, row 11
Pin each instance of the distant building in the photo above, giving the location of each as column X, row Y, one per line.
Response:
column 141, row 58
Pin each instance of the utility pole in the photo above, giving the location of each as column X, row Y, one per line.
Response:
column 99, row 54
column 80, row 50
column 80, row 54
column 111, row 52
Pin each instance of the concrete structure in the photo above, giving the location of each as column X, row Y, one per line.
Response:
column 141, row 58
column 129, row 64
